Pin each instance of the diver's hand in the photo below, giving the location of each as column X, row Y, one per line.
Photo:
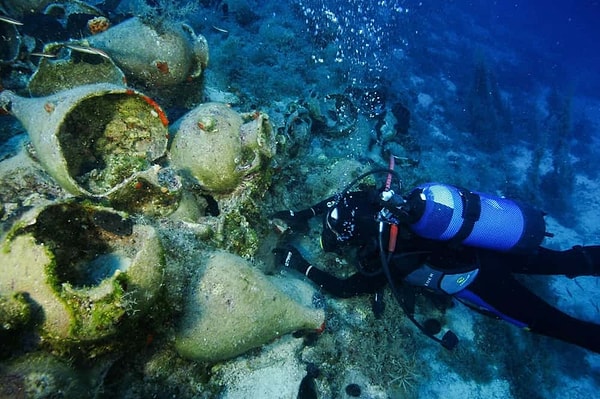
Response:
column 296, row 221
column 289, row 256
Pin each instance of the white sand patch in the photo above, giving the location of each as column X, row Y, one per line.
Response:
column 424, row 100
column 437, row 134
column 564, row 237
column 461, row 320
column 449, row 85
column 581, row 388
column 587, row 204
column 579, row 297
column 275, row 373
column 449, row 385
column 521, row 159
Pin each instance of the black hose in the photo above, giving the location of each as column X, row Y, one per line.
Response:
column 449, row 340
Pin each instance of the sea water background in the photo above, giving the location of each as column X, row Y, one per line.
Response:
column 539, row 59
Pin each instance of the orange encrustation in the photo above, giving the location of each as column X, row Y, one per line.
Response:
column 153, row 104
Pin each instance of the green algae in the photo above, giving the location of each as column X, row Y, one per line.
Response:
column 15, row 312
column 107, row 139
column 54, row 75
column 93, row 273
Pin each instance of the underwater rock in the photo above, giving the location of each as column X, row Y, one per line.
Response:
column 40, row 375
column 333, row 115
column 156, row 56
column 297, row 127
column 232, row 223
column 95, row 140
column 233, row 307
column 214, row 146
column 242, row 11
column 89, row 270
column 274, row 372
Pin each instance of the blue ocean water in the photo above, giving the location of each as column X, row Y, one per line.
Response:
column 498, row 96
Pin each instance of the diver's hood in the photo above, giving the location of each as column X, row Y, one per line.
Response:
column 350, row 221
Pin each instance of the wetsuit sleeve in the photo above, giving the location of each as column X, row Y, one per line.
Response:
column 344, row 288
column 298, row 220
column 321, row 207
column 317, row 209
column 358, row 283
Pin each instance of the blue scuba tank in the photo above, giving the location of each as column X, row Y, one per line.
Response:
column 448, row 213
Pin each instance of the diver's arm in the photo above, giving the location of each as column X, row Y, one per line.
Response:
column 307, row 213
column 356, row 284
column 298, row 220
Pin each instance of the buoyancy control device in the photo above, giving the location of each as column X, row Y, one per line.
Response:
column 448, row 213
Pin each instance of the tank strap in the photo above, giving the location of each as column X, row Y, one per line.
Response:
column 471, row 203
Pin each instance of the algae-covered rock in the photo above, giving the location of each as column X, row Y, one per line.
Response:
column 89, row 270
column 334, row 114
column 217, row 147
column 40, row 375
column 15, row 312
column 70, row 69
column 276, row 372
column 233, row 307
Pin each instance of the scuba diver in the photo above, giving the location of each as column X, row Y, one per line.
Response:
column 445, row 240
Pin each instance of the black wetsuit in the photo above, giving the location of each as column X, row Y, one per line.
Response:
column 494, row 284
